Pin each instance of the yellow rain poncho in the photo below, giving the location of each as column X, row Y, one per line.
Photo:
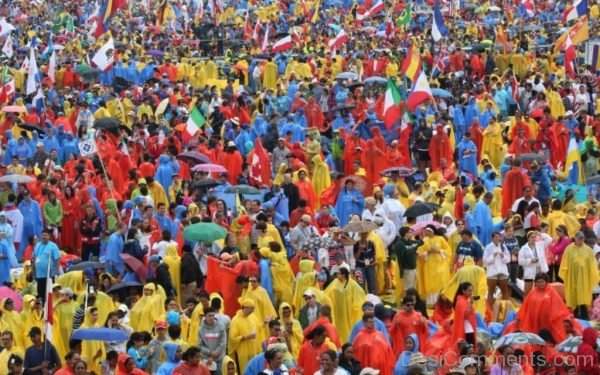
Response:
column 297, row 336
column 173, row 260
column 91, row 349
column 557, row 107
column 263, row 307
column 496, row 205
column 307, row 277
column 104, row 303
column 472, row 273
column 31, row 318
column 270, row 76
column 14, row 323
column 63, row 325
column 347, row 298
column 241, row 327
column 211, row 69
column 283, row 278
column 321, row 179
column 195, row 321
column 73, row 280
column 5, row 356
column 579, row 270
column 22, row 282
column 432, row 268
column 278, row 180
column 147, row 310
column 227, row 360
column 556, row 218
column 493, row 145
column 158, row 193
column 380, row 261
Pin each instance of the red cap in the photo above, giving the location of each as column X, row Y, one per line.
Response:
column 160, row 325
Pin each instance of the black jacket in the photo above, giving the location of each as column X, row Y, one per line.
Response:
column 163, row 278
column 133, row 248
column 190, row 270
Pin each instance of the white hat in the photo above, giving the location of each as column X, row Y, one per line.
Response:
column 67, row 291
column 466, row 362
column 309, row 293
column 569, row 113
column 369, row 371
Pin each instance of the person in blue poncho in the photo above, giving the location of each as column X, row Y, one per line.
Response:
column 471, row 111
column 114, row 263
column 467, row 155
column 32, row 221
column 540, row 178
column 411, row 346
column 264, row 266
column 70, row 146
column 368, row 308
column 349, row 202
column 482, row 223
column 164, row 221
column 11, row 148
column 164, row 172
column 173, row 358
column 22, row 151
column 50, row 142
column 460, row 125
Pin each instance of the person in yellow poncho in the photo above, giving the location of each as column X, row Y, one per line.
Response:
column 33, row 316
column 347, row 297
column 92, row 352
column 157, row 192
column 433, row 272
column 579, row 271
column 380, row 261
column 557, row 217
column 10, row 348
column 228, row 366
column 270, row 75
column 194, row 327
column 281, row 273
column 173, row 260
column 292, row 327
column 245, row 334
column 306, row 278
column 264, row 309
column 211, row 69
column 64, row 312
column 493, row 143
column 147, row 310
column 472, row 273
column 13, row 321
column 103, row 302
column 73, row 280
column 321, row 178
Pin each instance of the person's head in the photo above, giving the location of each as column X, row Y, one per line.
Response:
column 7, row 340
column 317, row 335
column 531, row 238
column 579, row 238
column 210, row 316
column 467, row 235
column 329, row 360
column 309, row 297
column 508, row 355
column 35, row 334
column 80, row 367
column 562, row 231
column 15, row 364
column 465, row 289
column 45, row 236
column 369, row 321
column 407, row 233
column 275, row 329
column 248, row 306
column 274, row 358
column 112, row 357
column 347, row 352
column 71, row 358
column 408, row 304
column 409, row 343
column 527, row 192
column 192, row 356
column 541, row 280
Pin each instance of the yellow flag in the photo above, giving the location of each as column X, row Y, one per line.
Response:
column 241, row 210
column 315, row 16
column 579, row 32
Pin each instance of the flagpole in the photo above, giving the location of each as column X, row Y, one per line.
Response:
column 110, row 187
column 46, row 307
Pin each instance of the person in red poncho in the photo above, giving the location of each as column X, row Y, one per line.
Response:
column 311, row 350
column 406, row 322
column 559, row 142
column 514, row 182
column 587, row 355
column 306, row 190
column 376, row 162
column 477, row 137
column 543, row 308
column 465, row 325
column 372, row 349
column 231, row 159
column 439, row 147
column 314, row 115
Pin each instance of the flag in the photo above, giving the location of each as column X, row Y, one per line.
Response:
column 528, row 8
column 578, row 9
column 52, row 67
column 256, row 31
column 9, row 88
column 247, row 29
column 441, row 63
column 438, row 28
column 338, row 41
column 38, row 101
column 194, row 123
column 315, row 16
column 32, row 73
column 391, row 105
column 282, row 44
column 501, row 38
column 87, row 147
column 509, row 10
column 106, row 9
column 570, row 55
column 260, row 166
column 514, row 84
column 160, row 14
column 5, row 27
column 105, row 57
column 389, row 28
column 48, row 307
column 579, row 32
column 378, row 7
column 420, row 93
column 573, row 164
column 593, row 57
column 265, row 43
column 411, row 66
column 404, row 17
column 7, row 49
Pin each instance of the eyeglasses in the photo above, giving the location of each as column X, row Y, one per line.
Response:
column 409, row 304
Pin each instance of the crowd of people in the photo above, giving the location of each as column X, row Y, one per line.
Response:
column 318, row 187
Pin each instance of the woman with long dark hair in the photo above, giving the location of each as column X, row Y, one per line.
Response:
column 71, row 216
column 465, row 325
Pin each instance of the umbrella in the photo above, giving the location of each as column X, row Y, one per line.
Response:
column 6, row 292
column 494, row 8
column 136, row 266
column 361, row 226
column 193, row 157
column 400, row 171
column 152, row 80
column 593, row 180
column 84, row 69
column 368, row 29
column 441, row 93
column 108, row 123
column 529, row 157
column 204, row 232
column 162, row 107
column 571, row 344
column 519, row 338
column 16, row 179
column 124, row 287
column 31, row 127
column 376, row 81
column 344, row 107
column 417, row 228
column 85, row 265
column 99, row 334
column 281, row 35
column 317, row 242
column 14, row 109
column 530, row 28
column 242, row 189
column 209, row 168
column 420, row 208
column 156, row 53
column 480, row 47
column 347, row 75
column 354, row 85
column 360, row 183
column 206, row 183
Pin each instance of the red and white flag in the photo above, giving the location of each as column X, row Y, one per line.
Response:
column 260, row 166
column 420, row 93
column 570, row 56
column 256, row 31
column 48, row 308
column 7, row 49
column 265, row 43
column 283, row 44
column 105, row 57
column 339, row 40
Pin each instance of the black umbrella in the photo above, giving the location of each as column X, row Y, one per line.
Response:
column 420, row 209
column 206, row 183
column 152, row 81
column 123, row 288
column 85, row 265
column 354, row 85
column 107, row 123
column 31, row 127
column 120, row 82
column 242, row 189
column 344, row 107
column 194, row 157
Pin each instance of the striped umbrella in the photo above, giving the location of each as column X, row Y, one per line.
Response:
column 519, row 338
column 570, row 345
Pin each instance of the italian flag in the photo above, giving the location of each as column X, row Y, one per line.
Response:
column 194, row 123
column 391, row 105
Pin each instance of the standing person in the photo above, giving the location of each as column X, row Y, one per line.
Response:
column 114, row 263
column 245, row 334
column 557, row 249
column 191, row 276
column 406, row 322
column 311, row 350
column 364, row 253
column 329, row 364
column 191, row 363
column 45, row 262
column 533, row 261
column 406, row 253
column 496, row 258
column 90, row 228
column 465, row 324
column 53, row 215
column 8, row 343
column 41, row 358
column 372, row 349
column 579, row 270
column 212, row 339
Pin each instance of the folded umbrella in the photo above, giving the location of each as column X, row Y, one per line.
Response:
column 136, row 266
column 204, row 232
column 99, row 334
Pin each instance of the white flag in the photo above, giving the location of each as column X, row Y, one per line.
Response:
column 105, row 57
column 265, row 43
column 52, row 67
column 5, row 27
column 32, row 73
column 87, row 147
column 7, row 49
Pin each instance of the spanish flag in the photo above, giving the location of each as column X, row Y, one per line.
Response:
column 411, row 67
column 579, row 32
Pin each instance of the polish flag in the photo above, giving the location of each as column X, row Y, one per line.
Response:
column 339, row 40
column 283, row 44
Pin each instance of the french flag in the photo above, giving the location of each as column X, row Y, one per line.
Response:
column 283, row 44
column 578, row 9
column 528, row 7
column 339, row 40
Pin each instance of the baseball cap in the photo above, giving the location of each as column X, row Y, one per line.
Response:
column 161, row 325
column 67, row 291
column 369, row 371
column 309, row 293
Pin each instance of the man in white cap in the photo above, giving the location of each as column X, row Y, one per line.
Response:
column 310, row 311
